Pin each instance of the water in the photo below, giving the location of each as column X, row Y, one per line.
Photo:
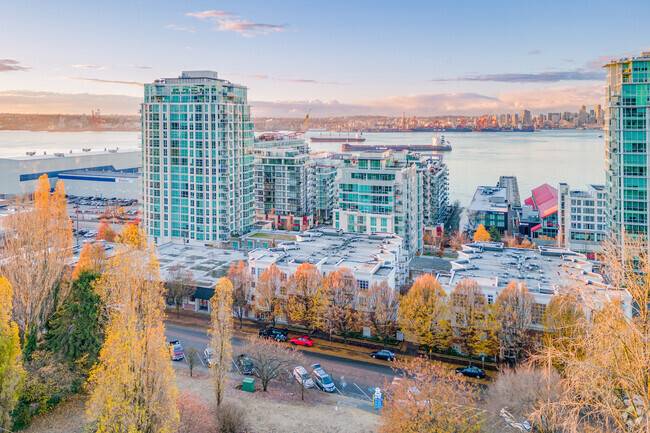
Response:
column 477, row 158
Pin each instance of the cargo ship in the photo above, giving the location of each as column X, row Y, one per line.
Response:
column 439, row 144
column 338, row 139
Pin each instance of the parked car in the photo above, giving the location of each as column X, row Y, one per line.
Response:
column 471, row 371
column 302, row 341
column 245, row 364
column 303, row 377
column 386, row 355
column 277, row 334
column 209, row 355
column 322, row 379
column 176, row 350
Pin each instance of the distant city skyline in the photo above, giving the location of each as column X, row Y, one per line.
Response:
column 348, row 58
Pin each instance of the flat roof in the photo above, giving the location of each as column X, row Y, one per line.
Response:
column 101, row 173
column 490, row 199
column 55, row 155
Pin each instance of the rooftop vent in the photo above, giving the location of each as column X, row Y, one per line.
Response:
column 59, row 155
column 30, row 153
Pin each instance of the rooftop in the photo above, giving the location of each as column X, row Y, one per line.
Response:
column 489, row 199
column 55, row 155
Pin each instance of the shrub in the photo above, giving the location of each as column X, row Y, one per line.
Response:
column 231, row 418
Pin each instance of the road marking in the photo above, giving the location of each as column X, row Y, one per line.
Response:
column 361, row 391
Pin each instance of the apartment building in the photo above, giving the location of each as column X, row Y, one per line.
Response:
column 581, row 218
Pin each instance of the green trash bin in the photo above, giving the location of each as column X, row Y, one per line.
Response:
column 248, row 384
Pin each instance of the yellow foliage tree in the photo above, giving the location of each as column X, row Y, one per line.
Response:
column 131, row 234
column 481, row 234
column 423, row 314
column 133, row 383
column 221, row 332
column 270, row 291
column 305, row 296
column 471, row 319
column 10, row 365
column 92, row 257
column 36, row 253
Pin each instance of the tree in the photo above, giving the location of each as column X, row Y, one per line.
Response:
column 430, row 398
column 242, row 295
column 76, row 329
column 423, row 314
column 337, row 312
column 495, row 236
column 10, row 364
column 382, row 304
column 305, row 296
column 192, row 358
column 481, row 234
column 194, row 415
column 105, row 232
column 456, row 240
column 36, row 248
column 270, row 358
column 269, row 290
column 132, row 235
column 564, row 328
column 221, row 333
column 180, row 284
column 514, row 315
column 92, row 258
column 133, row 382
column 471, row 320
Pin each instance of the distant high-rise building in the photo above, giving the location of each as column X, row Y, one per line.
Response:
column 627, row 133
column 197, row 143
column 582, row 115
column 598, row 113
column 525, row 117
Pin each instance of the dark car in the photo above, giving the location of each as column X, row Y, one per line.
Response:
column 386, row 355
column 276, row 334
column 471, row 371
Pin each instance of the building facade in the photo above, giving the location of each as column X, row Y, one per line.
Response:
column 627, row 134
column 435, row 190
column 379, row 194
column 284, row 181
column 581, row 218
column 197, row 142
column 490, row 207
column 325, row 169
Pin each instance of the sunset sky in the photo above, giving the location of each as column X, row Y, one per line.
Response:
column 336, row 57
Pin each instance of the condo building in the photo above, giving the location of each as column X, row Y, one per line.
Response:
column 325, row 169
column 379, row 194
column 627, row 134
column 581, row 218
column 197, row 143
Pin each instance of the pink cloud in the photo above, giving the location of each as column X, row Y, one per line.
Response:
column 228, row 22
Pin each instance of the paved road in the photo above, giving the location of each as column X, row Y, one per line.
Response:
column 359, row 376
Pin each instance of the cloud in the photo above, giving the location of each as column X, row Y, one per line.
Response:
column 179, row 28
column 97, row 67
column 539, row 100
column 541, row 77
column 228, row 22
column 287, row 80
column 140, row 67
column 26, row 101
column 189, row 47
column 7, row 65
column 533, row 52
column 98, row 80
column 259, row 76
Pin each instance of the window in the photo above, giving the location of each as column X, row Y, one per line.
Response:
column 538, row 313
column 363, row 284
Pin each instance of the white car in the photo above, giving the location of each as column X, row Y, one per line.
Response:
column 303, row 377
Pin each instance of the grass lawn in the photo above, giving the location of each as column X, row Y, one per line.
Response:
column 276, row 237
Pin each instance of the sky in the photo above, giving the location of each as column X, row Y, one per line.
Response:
column 337, row 58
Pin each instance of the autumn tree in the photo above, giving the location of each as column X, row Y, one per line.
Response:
column 131, row 234
column 382, row 306
column 471, row 320
column 10, row 363
column 430, row 398
column 133, row 383
column 221, row 333
column 105, row 232
column 194, row 414
column 36, row 248
column 564, row 327
column 514, row 316
column 271, row 359
column 423, row 314
column 179, row 284
column 456, row 240
column 76, row 329
column 481, row 234
column 305, row 296
column 242, row 295
column 270, row 291
column 337, row 311
column 92, row 258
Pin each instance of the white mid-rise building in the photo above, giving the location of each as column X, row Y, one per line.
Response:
column 581, row 218
column 325, row 170
column 197, row 142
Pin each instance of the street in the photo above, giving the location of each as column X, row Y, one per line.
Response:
column 352, row 377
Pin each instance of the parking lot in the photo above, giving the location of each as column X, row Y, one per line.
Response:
column 87, row 213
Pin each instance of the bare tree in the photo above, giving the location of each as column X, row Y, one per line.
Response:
column 270, row 291
column 242, row 295
column 36, row 247
column 337, row 312
column 180, row 284
column 514, row 314
column 221, row 332
column 382, row 305
column 270, row 358
column 192, row 358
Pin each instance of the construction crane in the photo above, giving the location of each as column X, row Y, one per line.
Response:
column 304, row 125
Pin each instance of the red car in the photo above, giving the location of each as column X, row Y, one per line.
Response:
column 302, row 341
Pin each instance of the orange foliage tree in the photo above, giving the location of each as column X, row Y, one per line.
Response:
column 337, row 312
column 105, row 232
column 270, row 291
column 92, row 257
column 481, row 234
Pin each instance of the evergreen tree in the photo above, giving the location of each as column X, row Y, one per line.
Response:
column 76, row 329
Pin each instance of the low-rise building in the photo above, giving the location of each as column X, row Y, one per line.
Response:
column 581, row 218
column 490, row 207
column 544, row 201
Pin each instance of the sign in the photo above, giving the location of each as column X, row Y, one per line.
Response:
column 123, row 180
column 399, row 336
column 366, row 332
column 377, row 398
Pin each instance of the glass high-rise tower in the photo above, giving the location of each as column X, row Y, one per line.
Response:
column 197, row 143
column 627, row 134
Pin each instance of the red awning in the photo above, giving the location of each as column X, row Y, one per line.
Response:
column 535, row 228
